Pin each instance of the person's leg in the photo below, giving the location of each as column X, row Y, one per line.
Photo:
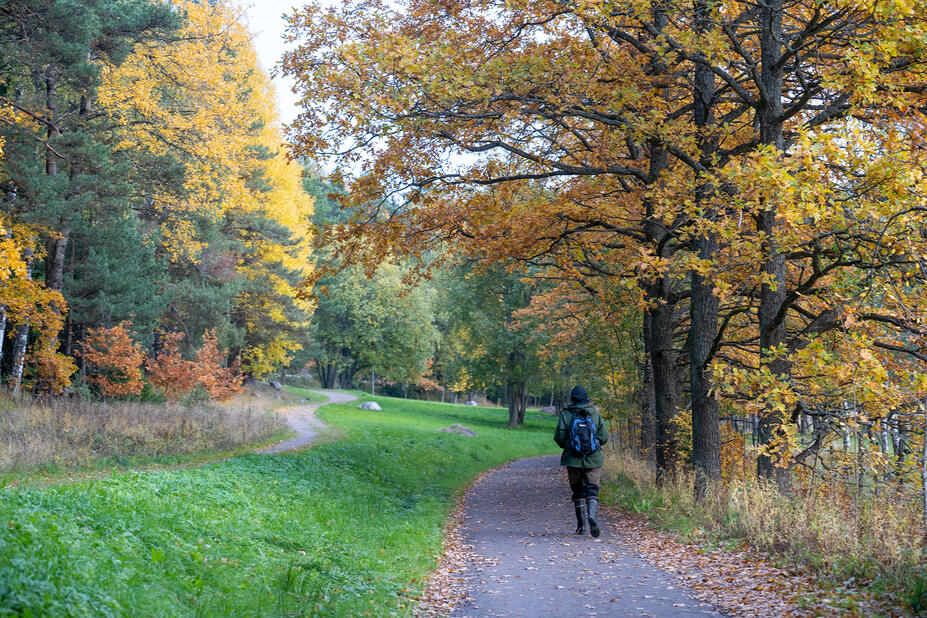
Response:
column 576, row 477
column 591, row 479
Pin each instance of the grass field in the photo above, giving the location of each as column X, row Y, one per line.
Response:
column 346, row 528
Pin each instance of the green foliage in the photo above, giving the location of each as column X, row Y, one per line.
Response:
column 490, row 344
column 119, row 277
column 348, row 528
column 372, row 323
column 917, row 593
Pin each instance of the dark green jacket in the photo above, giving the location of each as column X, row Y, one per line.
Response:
column 562, row 437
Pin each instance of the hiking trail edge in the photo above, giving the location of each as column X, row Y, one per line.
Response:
column 302, row 419
column 528, row 562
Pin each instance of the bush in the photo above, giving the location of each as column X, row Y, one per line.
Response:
column 115, row 360
column 177, row 378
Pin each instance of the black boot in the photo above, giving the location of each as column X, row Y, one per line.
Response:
column 593, row 504
column 580, row 516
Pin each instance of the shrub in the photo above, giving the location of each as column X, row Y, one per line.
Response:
column 169, row 371
column 177, row 377
column 115, row 360
column 222, row 383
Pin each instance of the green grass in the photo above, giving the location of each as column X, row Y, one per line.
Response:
column 346, row 528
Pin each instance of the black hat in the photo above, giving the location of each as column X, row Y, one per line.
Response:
column 579, row 395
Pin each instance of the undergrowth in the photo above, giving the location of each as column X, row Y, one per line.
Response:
column 872, row 545
column 342, row 529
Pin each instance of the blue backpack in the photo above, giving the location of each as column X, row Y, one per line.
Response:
column 583, row 439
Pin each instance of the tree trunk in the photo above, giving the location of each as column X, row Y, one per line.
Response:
column 327, row 373
column 510, row 402
column 516, row 395
column 57, row 243
column 55, row 248
column 773, row 292
column 22, row 338
column 649, row 401
column 2, row 336
column 19, row 356
column 663, row 358
column 660, row 303
column 373, row 381
column 703, row 306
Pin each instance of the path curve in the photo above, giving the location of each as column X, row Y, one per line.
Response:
column 302, row 419
column 527, row 561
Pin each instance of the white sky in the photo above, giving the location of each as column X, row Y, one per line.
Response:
column 265, row 19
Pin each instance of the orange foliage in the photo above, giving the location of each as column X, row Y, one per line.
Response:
column 116, row 359
column 222, row 383
column 169, row 371
column 176, row 376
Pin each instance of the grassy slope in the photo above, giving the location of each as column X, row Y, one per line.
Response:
column 346, row 528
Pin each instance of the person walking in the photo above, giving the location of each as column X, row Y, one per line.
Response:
column 581, row 433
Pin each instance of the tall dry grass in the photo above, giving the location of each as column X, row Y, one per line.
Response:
column 874, row 538
column 73, row 432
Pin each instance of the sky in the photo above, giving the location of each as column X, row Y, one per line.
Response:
column 266, row 24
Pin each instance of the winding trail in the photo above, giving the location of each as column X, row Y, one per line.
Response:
column 302, row 419
column 528, row 562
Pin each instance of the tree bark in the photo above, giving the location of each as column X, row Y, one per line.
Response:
column 19, row 356
column 663, row 358
column 703, row 306
column 22, row 339
column 516, row 396
column 649, row 401
column 773, row 292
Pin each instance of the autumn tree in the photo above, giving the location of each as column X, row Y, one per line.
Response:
column 115, row 360
column 168, row 370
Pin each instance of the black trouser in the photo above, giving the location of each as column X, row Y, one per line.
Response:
column 584, row 482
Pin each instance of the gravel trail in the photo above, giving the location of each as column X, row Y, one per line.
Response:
column 303, row 420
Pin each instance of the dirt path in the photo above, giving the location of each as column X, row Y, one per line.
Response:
column 302, row 419
column 526, row 561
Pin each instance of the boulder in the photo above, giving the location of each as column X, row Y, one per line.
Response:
column 458, row 429
column 548, row 410
column 370, row 405
column 471, row 403
column 277, row 386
